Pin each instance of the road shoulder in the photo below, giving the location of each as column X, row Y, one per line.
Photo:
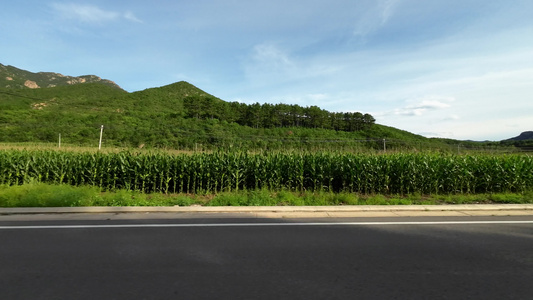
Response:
column 289, row 211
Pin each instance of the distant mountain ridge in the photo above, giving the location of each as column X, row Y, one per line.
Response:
column 524, row 136
column 12, row 77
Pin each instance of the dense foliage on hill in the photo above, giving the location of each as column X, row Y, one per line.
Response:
column 181, row 116
column 274, row 115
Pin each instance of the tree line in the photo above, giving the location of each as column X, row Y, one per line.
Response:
column 274, row 115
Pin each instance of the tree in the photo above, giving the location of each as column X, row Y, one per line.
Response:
column 270, row 116
column 368, row 121
column 193, row 106
column 315, row 117
column 254, row 115
column 296, row 115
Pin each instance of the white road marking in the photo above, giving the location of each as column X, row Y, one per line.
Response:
column 93, row 226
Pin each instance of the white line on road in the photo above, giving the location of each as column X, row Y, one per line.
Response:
column 94, row 226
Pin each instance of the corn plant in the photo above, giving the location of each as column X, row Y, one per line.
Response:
column 233, row 171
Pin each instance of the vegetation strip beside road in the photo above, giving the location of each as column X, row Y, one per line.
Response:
column 212, row 173
column 37, row 178
column 53, row 195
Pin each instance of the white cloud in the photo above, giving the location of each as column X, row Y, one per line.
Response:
column 131, row 17
column 84, row 13
column 375, row 17
column 387, row 9
column 452, row 117
column 90, row 14
column 270, row 64
column 429, row 105
column 422, row 106
column 271, row 56
column 267, row 64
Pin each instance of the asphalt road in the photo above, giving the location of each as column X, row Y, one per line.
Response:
column 243, row 258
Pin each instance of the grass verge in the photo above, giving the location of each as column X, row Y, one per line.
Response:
column 47, row 195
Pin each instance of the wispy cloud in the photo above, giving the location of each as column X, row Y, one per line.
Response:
column 132, row 17
column 421, row 106
column 375, row 17
column 90, row 14
column 267, row 64
column 271, row 56
column 387, row 9
column 272, row 59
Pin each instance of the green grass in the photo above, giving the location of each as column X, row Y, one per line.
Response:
column 36, row 194
column 51, row 195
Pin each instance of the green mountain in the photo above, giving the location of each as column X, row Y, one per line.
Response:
column 179, row 116
column 11, row 77
column 523, row 141
column 524, row 136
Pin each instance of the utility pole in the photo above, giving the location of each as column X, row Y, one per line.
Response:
column 101, row 132
column 60, row 140
column 384, row 146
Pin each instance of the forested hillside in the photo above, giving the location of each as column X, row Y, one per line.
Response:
column 40, row 107
column 181, row 116
column 275, row 115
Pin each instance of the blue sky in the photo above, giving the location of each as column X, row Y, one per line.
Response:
column 460, row 69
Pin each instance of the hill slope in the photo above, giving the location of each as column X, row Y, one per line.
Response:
column 156, row 117
column 181, row 116
column 524, row 136
column 12, row 77
column 524, row 141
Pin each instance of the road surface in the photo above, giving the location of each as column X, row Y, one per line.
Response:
column 225, row 256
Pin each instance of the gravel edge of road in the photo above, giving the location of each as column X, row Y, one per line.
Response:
column 256, row 209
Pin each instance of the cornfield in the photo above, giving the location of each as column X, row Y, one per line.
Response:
column 230, row 171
